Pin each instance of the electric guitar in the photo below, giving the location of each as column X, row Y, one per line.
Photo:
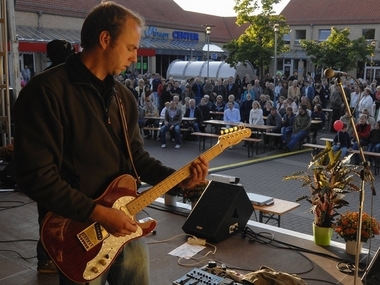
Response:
column 84, row 251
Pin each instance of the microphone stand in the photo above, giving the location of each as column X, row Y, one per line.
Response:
column 365, row 174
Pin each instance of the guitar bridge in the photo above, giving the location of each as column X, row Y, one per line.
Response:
column 92, row 235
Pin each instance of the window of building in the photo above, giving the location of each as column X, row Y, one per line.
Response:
column 323, row 35
column 286, row 39
column 368, row 34
column 300, row 35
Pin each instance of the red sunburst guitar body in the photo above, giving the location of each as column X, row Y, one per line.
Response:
column 84, row 251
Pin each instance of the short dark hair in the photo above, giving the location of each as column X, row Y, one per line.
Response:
column 107, row 16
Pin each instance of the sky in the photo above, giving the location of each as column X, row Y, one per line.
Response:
column 217, row 7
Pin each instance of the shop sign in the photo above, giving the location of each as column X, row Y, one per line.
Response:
column 152, row 32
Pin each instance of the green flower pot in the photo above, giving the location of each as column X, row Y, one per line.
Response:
column 322, row 235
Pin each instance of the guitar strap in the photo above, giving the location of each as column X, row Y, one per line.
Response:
column 126, row 136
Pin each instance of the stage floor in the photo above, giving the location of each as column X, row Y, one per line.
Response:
column 19, row 234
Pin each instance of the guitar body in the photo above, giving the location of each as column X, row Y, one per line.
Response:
column 83, row 251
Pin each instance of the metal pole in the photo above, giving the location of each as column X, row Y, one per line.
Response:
column 275, row 28
column 208, row 53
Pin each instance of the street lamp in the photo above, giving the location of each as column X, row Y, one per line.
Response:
column 276, row 30
column 208, row 32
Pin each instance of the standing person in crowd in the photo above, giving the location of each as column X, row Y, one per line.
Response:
column 62, row 111
column 176, row 89
column 155, row 83
column 207, row 87
column 365, row 101
column 257, row 89
column 147, row 95
column 198, row 90
column 249, row 90
column 376, row 97
column 287, row 125
column 308, row 91
column 355, row 101
column 336, row 104
column 232, row 88
column 268, row 90
column 342, row 141
column 188, row 93
column 165, row 96
column 205, row 109
column 301, row 128
column 284, row 89
column 219, row 89
column 325, row 93
column 346, row 119
column 294, row 91
column 26, row 74
column 274, row 119
column 245, row 108
column 140, row 89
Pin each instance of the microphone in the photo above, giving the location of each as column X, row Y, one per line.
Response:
column 330, row 73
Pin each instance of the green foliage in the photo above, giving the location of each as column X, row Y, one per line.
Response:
column 257, row 43
column 329, row 179
column 338, row 51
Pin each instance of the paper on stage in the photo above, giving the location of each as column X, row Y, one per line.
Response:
column 187, row 250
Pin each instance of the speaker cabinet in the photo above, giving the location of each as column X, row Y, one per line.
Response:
column 221, row 207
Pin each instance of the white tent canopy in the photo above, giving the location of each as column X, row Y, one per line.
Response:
column 180, row 70
column 213, row 48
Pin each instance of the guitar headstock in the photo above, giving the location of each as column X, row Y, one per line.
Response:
column 233, row 135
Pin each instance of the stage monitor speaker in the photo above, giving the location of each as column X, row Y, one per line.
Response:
column 221, row 208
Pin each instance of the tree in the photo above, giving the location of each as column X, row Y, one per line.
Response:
column 256, row 44
column 338, row 51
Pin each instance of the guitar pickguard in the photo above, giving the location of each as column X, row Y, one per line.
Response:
column 110, row 246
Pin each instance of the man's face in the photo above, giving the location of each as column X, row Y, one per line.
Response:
column 121, row 52
column 301, row 111
column 230, row 105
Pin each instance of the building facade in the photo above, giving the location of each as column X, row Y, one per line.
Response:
column 314, row 22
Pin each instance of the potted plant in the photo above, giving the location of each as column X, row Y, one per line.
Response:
column 329, row 178
column 347, row 227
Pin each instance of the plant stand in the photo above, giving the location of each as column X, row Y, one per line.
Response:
column 351, row 247
column 322, row 236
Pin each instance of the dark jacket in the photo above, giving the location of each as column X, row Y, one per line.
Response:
column 343, row 138
column 69, row 142
column 197, row 114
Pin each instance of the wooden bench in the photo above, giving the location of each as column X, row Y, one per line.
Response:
column 250, row 143
column 202, row 138
column 275, row 211
column 326, row 139
column 376, row 155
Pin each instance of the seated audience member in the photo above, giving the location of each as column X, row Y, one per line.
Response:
column 193, row 112
column 301, row 128
column 342, row 141
column 287, row 124
column 273, row 119
column 370, row 119
column 363, row 129
column 218, row 106
column 249, row 91
column 317, row 115
column 167, row 105
column 256, row 114
column 267, row 109
column 150, row 111
column 231, row 114
column 207, row 101
column 281, row 109
column 172, row 122
column 245, row 108
column 293, row 104
column 231, row 98
column 141, row 119
column 374, row 139
column 346, row 119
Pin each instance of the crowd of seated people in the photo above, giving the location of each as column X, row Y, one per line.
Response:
column 297, row 100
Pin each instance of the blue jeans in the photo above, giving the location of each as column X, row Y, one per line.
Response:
column 335, row 148
column 295, row 138
column 373, row 147
column 130, row 267
column 285, row 131
column 177, row 132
